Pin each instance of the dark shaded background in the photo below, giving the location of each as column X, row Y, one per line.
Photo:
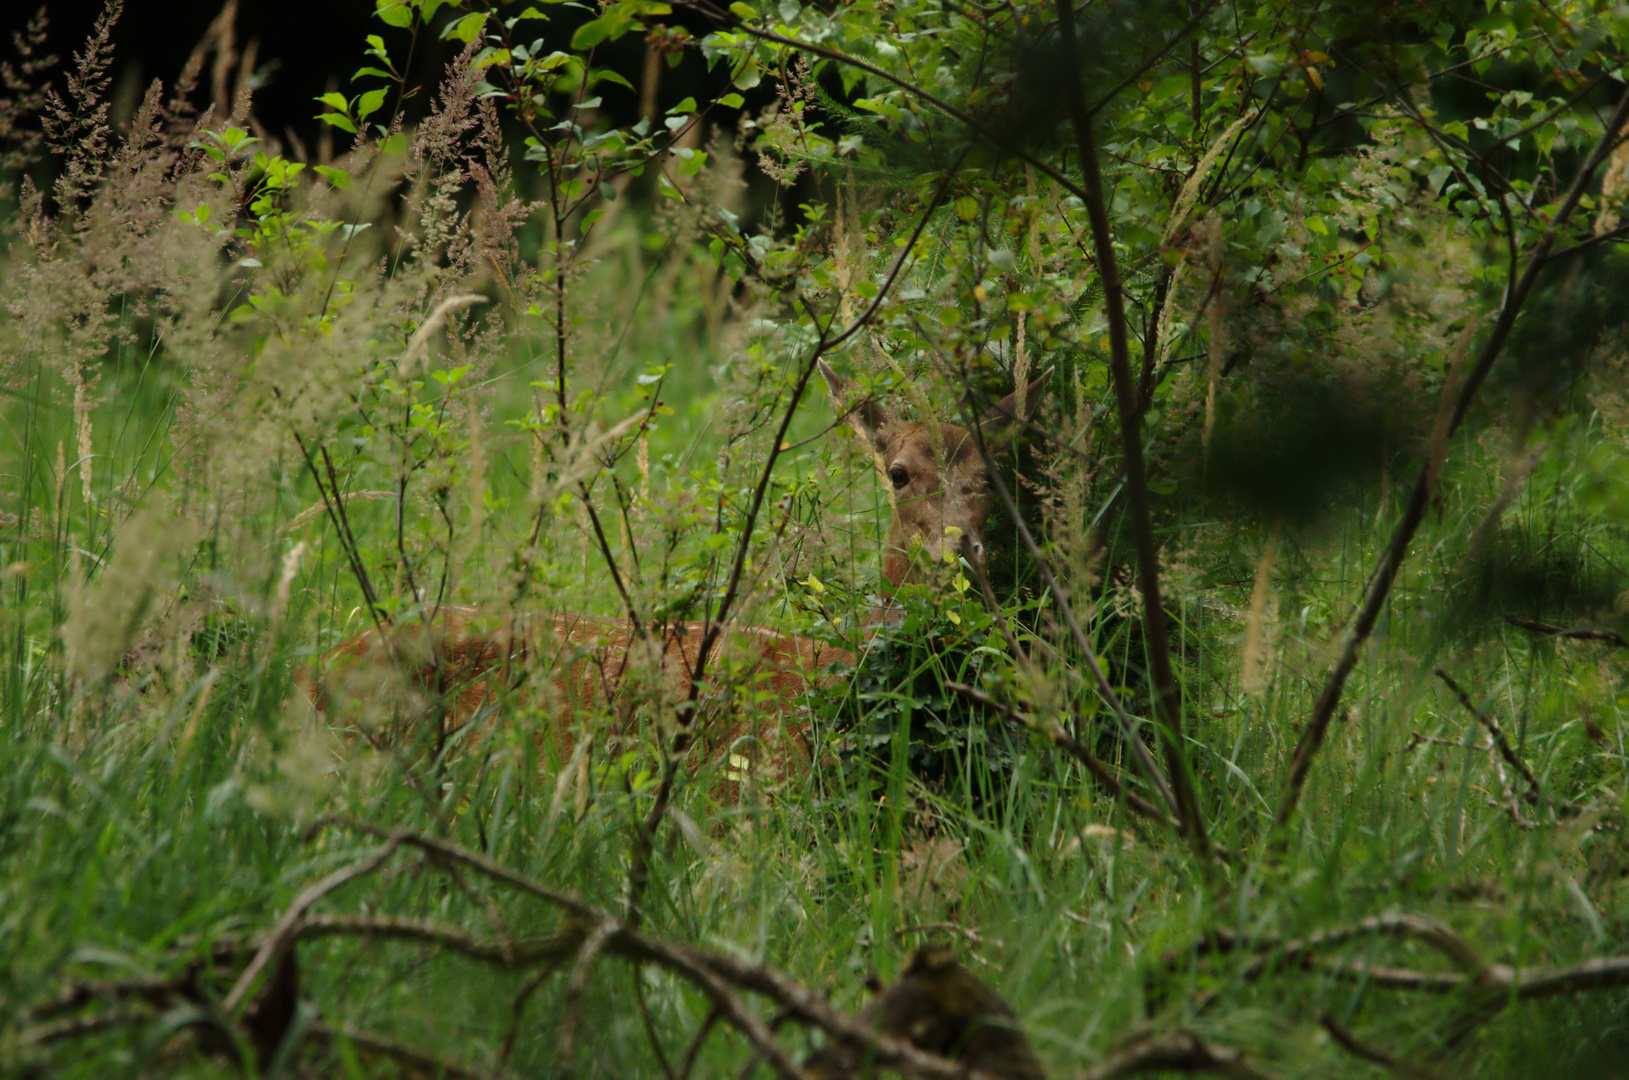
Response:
column 311, row 45
column 307, row 49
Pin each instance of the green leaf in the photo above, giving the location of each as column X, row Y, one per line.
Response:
column 371, row 71
column 607, row 75
column 688, row 105
column 732, row 101
column 335, row 101
column 466, row 29
column 338, row 178
column 397, row 13
column 967, row 208
column 341, row 122
column 748, row 75
column 591, row 33
column 369, row 103
column 1169, row 87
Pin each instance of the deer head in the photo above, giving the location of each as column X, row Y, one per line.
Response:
column 937, row 481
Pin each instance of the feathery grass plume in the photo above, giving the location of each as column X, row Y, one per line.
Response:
column 76, row 127
column 1252, row 666
column 23, row 96
column 1215, row 246
column 1614, row 186
column 105, row 611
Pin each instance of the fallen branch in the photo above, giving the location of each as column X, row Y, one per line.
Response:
column 275, row 942
column 423, row 1062
column 1373, row 1055
column 1611, row 637
column 1184, row 1053
column 1493, row 985
column 712, row 973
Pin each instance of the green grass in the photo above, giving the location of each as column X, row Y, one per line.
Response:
column 145, row 818
column 163, row 806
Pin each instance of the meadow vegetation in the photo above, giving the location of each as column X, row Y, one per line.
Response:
column 1281, row 735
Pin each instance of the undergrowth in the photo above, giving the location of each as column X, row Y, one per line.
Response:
column 256, row 404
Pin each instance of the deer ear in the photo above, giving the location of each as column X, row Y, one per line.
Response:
column 869, row 419
column 1004, row 412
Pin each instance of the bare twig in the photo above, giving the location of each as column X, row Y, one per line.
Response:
column 694, row 1049
column 1416, row 927
column 727, row 1005
column 712, row 973
column 455, row 853
column 1490, row 987
column 636, row 976
column 1168, row 705
column 1505, row 750
column 1373, row 1055
column 502, row 953
column 1076, row 749
column 282, row 935
column 1391, row 561
column 1611, row 637
column 566, row 1040
column 61, row 1031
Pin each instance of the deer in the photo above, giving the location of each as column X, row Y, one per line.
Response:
column 457, row 660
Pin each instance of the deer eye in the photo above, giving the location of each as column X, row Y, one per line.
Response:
column 899, row 476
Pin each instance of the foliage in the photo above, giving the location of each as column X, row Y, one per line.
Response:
column 1284, row 735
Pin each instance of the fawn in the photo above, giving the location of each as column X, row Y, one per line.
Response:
column 459, row 659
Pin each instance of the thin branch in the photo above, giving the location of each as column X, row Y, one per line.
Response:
column 712, row 973
column 517, row 1010
column 587, row 953
column 499, row 953
column 1128, row 728
column 1491, row 986
column 1611, row 637
column 282, row 934
column 453, row 852
column 1159, row 54
column 1373, row 1055
column 420, row 1061
column 636, row 976
column 694, row 1049
column 1317, row 727
column 61, row 1031
column 1168, row 705
column 1054, row 732
column 1497, row 734
column 714, row 627
column 1611, row 236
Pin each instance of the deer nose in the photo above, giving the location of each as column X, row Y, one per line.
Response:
column 972, row 547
